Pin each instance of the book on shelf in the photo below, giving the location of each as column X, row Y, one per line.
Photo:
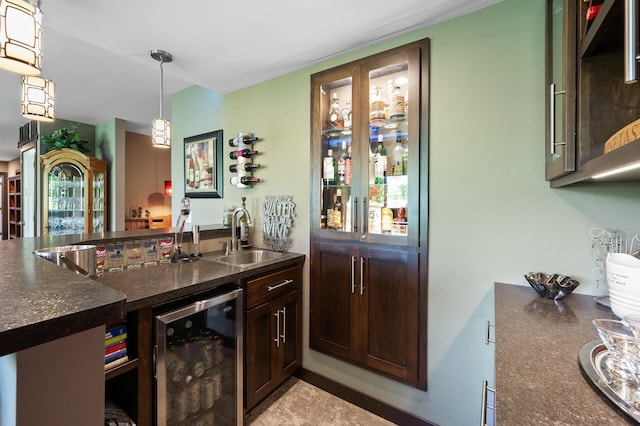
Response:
column 116, row 362
column 115, row 339
column 116, row 347
column 115, row 355
column 115, row 331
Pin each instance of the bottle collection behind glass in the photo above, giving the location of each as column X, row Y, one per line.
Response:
column 382, row 147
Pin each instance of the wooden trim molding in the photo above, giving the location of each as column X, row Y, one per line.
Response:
column 377, row 407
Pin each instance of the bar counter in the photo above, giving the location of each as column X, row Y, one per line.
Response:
column 538, row 377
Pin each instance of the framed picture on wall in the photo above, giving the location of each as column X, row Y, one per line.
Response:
column 203, row 165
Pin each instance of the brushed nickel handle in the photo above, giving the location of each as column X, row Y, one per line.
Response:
column 355, row 214
column 353, row 274
column 486, row 389
column 273, row 287
column 277, row 339
column 630, row 42
column 552, row 118
column 361, row 276
column 363, row 233
column 490, row 334
column 284, row 324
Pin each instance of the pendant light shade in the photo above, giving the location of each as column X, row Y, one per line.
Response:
column 38, row 98
column 20, row 37
column 161, row 133
column 161, row 128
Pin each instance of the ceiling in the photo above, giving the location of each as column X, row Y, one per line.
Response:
column 97, row 52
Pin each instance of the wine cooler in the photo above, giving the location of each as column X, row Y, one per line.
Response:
column 199, row 362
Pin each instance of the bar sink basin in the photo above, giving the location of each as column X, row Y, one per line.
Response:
column 246, row 258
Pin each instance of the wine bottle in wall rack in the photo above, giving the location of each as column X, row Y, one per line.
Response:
column 246, row 153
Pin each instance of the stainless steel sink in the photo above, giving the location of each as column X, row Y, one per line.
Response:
column 246, row 258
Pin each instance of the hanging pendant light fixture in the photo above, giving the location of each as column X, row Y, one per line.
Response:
column 21, row 37
column 38, row 98
column 161, row 128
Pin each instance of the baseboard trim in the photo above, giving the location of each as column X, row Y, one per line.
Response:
column 379, row 408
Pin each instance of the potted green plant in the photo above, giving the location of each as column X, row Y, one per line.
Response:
column 66, row 138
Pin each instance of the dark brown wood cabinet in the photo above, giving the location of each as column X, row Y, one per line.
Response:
column 365, row 307
column 368, row 262
column 273, row 332
column 593, row 113
column 14, row 207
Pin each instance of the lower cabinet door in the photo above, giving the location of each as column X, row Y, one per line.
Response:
column 260, row 353
column 274, row 350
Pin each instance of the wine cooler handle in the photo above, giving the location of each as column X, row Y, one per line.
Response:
column 361, row 276
column 284, row 324
column 277, row 339
column 630, row 40
column 552, row 118
column 355, row 214
column 353, row 274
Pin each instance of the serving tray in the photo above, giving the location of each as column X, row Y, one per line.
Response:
column 592, row 357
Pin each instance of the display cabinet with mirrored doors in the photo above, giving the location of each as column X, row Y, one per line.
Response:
column 74, row 199
column 369, row 208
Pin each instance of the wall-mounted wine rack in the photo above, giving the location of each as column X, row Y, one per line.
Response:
column 243, row 154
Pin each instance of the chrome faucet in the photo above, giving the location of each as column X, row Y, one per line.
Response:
column 235, row 245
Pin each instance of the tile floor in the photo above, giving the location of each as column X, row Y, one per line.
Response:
column 298, row 403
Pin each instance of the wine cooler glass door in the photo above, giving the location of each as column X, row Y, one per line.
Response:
column 199, row 363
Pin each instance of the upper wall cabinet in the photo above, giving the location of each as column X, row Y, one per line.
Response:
column 593, row 98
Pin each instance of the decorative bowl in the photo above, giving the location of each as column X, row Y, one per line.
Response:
column 551, row 286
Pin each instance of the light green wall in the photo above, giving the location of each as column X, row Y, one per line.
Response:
column 492, row 216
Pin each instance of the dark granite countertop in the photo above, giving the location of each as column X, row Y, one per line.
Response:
column 538, row 376
column 42, row 302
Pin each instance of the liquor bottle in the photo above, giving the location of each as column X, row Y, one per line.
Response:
column 381, row 162
column 376, row 108
column 244, row 180
column 346, row 115
column 396, row 105
column 247, row 167
column 329, row 168
column 336, row 119
column 338, row 211
column 246, row 139
column 398, row 156
column 330, row 213
column 342, row 164
column 246, row 153
column 191, row 172
column 348, row 168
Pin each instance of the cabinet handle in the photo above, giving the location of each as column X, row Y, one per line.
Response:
column 363, row 234
column 490, row 337
column 273, row 287
column 277, row 339
column 552, row 117
column 630, row 40
column 488, row 406
column 355, row 214
column 353, row 274
column 361, row 276
column 284, row 324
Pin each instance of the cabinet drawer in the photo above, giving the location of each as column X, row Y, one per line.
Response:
column 267, row 287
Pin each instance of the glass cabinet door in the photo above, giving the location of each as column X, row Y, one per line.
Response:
column 561, row 83
column 388, row 150
column 66, row 199
column 366, row 132
column 336, row 137
column 98, row 202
